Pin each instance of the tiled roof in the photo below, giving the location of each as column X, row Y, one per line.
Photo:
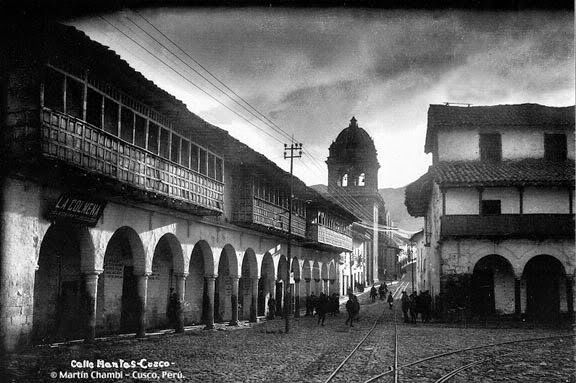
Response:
column 529, row 172
column 525, row 172
column 497, row 116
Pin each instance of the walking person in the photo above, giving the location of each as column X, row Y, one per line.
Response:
column 271, row 307
column 322, row 308
column 405, row 306
column 373, row 293
column 353, row 308
column 390, row 300
column 173, row 310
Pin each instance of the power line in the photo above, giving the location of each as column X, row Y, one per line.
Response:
column 351, row 200
column 187, row 80
column 342, row 194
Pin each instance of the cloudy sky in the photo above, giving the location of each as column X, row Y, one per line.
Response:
column 309, row 71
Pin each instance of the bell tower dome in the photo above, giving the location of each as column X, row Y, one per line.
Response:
column 352, row 162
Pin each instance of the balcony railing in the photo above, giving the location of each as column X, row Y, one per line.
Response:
column 85, row 146
column 540, row 226
column 256, row 211
column 322, row 234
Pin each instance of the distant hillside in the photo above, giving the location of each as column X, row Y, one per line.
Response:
column 394, row 199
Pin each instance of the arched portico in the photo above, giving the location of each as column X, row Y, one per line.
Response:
column 266, row 284
column 544, row 278
column 122, row 287
column 295, row 288
column 61, row 304
column 492, row 286
column 226, row 288
column 198, row 304
column 316, row 277
column 167, row 268
column 324, row 278
column 248, row 287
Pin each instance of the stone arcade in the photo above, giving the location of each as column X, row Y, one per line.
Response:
column 116, row 193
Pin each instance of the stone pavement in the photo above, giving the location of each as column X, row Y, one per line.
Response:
column 309, row 353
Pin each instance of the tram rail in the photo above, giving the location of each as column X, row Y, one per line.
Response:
column 394, row 368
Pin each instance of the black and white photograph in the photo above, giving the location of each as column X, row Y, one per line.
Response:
column 321, row 191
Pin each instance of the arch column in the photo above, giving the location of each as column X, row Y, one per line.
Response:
column 234, row 301
column 570, row 296
column 517, row 297
column 180, row 292
column 254, row 301
column 296, row 298
column 325, row 287
column 91, row 296
column 210, row 284
column 142, row 294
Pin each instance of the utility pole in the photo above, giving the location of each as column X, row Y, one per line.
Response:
column 289, row 153
column 413, row 262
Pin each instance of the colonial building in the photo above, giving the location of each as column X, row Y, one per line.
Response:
column 353, row 183
column 113, row 193
column 498, row 204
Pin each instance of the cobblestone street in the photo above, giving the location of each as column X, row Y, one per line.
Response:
column 263, row 353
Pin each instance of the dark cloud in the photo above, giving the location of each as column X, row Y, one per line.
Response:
column 310, row 70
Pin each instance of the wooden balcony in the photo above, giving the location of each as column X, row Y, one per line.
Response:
column 324, row 235
column 258, row 213
column 540, row 226
column 84, row 146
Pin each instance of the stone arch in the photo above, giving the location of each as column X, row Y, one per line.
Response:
column 167, row 263
column 551, row 251
column 295, row 269
column 492, row 286
column 316, row 278
column 227, row 275
column 324, row 271
column 59, row 307
column 502, row 251
column 332, row 275
column 124, row 261
column 196, row 298
column 545, row 285
column 248, row 276
column 281, row 282
column 266, row 283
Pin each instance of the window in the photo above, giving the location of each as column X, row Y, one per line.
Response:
column 211, row 166
column 185, row 155
column 345, row 180
column 220, row 170
column 94, row 108
column 153, row 132
column 194, row 161
column 74, row 97
column 110, row 116
column 490, row 207
column 490, row 147
column 139, row 131
column 126, row 125
column 555, row 147
column 175, row 150
column 361, row 180
column 164, row 143
column 203, row 167
column 54, row 90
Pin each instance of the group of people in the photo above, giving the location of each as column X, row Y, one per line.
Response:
column 415, row 304
column 384, row 294
column 324, row 304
